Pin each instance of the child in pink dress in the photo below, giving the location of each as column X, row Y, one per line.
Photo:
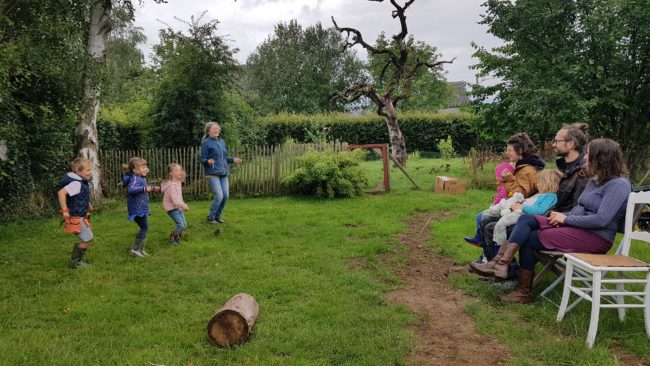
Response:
column 501, row 194
column 173, row 201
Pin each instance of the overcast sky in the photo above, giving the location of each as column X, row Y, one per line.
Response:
column 449, row 25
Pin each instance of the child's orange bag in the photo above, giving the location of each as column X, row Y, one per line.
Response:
column 72, row 225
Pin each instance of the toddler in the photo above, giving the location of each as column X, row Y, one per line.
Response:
column 137, row 200
column 173, row 201
column 74, row 199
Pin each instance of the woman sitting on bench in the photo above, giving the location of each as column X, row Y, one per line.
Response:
column 590, row 227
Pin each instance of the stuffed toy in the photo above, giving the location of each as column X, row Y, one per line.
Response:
column 504, row 206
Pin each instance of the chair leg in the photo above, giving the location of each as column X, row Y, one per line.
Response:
column 566, row 293
column 595, row 309
column 620, row 299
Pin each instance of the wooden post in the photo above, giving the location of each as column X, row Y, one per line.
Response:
column 234, row 322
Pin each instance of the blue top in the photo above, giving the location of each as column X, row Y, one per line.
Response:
column 544, row 202
column 137, row 198
column 601, row 208
column 215, row 149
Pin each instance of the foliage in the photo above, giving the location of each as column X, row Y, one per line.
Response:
column 567, row 61
column 429, row 90
column 42, row 56
column 327, row 175
column 196, row 72
column 296, row 69
column 421, row 130
column 446, row 148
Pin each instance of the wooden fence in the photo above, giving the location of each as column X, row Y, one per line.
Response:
column 259, row 174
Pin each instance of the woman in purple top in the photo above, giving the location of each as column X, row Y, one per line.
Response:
column 590, row 227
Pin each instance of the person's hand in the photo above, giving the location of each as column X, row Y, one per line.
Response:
column 237, row 161
column 90, row 207
column 155, row 188
column 516, row 206
column 211, row 162
column 505, row 173
column 65, row 213
column 556, row 218
column 186, row 208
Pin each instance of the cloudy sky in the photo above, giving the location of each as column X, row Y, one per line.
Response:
column 449, row 25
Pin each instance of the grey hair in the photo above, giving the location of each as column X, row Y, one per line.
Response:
column 208, row 127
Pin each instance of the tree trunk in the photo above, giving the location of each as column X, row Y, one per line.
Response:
column 397, row 143
column 99, row 26
column 233, row 323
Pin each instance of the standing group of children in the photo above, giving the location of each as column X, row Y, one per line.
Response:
column 74, row 199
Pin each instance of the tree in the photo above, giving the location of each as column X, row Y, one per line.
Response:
column 196, row 73
column 295, row 70
column 566, row 61
column 429, row 91
column 402, row 67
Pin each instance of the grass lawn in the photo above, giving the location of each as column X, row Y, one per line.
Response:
column 292, row 255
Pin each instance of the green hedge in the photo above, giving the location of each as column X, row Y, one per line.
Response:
column 421, row 130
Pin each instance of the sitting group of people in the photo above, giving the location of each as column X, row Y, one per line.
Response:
column 574, row 208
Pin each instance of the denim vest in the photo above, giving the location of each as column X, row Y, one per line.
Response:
column 77, row 204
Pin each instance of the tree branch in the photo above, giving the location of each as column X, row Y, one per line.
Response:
column 354, row 92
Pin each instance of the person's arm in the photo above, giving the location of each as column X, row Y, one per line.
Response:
column 137, row 186
column 542, row 205
column 63, row 202
column 203, row 157
column 523, row 181
column 175, row 194
column 613, row 198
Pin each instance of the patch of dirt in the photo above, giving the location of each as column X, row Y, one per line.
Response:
column 445, row 334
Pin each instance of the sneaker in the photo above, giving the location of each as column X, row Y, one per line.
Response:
column 144, row 254
column 220, row 220
column 135, row 253
column 212, row 220
column 80, row 264
column 473, row 241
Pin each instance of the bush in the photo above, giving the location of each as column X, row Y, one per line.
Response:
column 327, row 175
column 421, row 130
column 446, row 148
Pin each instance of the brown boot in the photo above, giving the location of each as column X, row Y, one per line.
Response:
column 524, row 292
column 501, row 268
column 485, row 269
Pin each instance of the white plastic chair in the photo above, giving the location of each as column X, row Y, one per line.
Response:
column 593, row 268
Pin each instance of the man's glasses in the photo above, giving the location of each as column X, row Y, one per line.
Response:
column 559, row 140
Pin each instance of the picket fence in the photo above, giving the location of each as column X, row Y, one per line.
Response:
column 259, row 174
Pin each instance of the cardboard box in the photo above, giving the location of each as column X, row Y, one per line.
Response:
column 449, row 185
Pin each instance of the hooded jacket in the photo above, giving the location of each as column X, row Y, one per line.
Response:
column 572, row 183
column 524, row 179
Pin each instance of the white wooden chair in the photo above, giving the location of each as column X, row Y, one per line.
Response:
column 593, row 268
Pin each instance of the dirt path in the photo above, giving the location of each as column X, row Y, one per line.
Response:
column 445, row 334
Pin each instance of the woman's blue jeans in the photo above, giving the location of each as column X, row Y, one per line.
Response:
column 179, row 218
column 218, row 186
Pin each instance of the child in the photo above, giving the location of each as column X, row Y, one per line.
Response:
column 501, row 194
column 74, row 199
column 173, row 201
column 137, row 200
column 548, row 182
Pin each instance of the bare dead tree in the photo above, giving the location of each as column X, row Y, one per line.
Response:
column 399, row 85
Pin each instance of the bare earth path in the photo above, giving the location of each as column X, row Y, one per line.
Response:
column 445, row 334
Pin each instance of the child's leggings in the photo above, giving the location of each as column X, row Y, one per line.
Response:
column 144, row 227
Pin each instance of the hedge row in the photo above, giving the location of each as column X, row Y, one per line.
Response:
column 421, row 130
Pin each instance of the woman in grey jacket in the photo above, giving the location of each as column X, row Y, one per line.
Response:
column 215, row 160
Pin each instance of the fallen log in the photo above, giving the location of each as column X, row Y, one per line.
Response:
column 234, row 322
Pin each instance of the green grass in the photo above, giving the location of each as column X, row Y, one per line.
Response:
column 293, row 256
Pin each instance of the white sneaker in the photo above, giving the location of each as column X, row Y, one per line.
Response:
column 144, row 254
column 135, row 253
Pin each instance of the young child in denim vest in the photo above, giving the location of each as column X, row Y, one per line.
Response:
column 173, row 201
column 137, row 200
column 74, row 198
column 548, row 182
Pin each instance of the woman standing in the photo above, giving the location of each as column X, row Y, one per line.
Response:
column 215, row 160
column 590, row 227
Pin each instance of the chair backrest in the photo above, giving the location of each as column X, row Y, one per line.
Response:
column 636, row 198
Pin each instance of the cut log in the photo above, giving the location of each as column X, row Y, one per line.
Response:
column 234, row 322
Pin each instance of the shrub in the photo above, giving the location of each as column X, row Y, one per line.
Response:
column 446, row 148
column 327, row 175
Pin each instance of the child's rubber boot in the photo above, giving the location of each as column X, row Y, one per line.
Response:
column 75, row 258
column 136, row 248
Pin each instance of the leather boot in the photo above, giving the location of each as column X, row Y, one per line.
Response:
column 524, row 292
column 500, row 269
column 485, row 269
